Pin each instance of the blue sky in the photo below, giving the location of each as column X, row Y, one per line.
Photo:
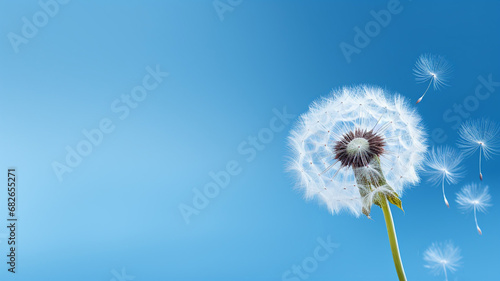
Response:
column 233, row 68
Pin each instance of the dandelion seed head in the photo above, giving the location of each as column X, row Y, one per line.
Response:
column 432, row 68
column 444, row 164
column 356, row 149
column 442, row 256
column 471, row 196
column 346, row 132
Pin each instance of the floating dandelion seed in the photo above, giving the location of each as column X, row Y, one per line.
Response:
column 444, row 163
column 357, row 148
column 471, row 197
column 433, row 69
column 480, row 134
column 442, row 258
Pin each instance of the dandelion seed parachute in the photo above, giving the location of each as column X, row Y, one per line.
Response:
column 472, row 198
column 481, row 134
column 442, row 257
column 433, row 69
column 444, row 166
column 342, row 134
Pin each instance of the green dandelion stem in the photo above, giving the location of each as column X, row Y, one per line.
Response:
column 391, row 231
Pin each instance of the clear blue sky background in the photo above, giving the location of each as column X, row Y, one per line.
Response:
column 120, row 207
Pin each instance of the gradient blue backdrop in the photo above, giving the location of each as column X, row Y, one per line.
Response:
column 120, row 207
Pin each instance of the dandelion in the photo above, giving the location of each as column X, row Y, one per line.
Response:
column 473, row 198
column 480, row 134
column 356, row 148
column 433, row 69
column 444, row 163
column 442, row 258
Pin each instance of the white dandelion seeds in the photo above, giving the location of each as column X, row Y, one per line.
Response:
column 442, row 258
column 433, row 69
column 473, row 198
column 341, row 134
column 481, row 134
column 356, row 148
column 444, row 166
